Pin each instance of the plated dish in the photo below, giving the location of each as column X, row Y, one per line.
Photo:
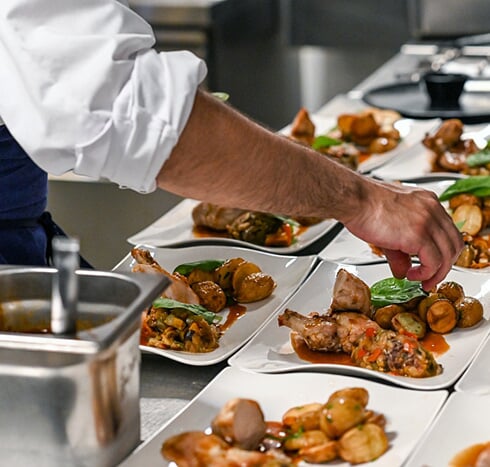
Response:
column 288, row 273
column 461, row 423
column 476, row 378
column 416, row 162
column 411, row 133
column 176, row 227
column 277, row 393
column 271, row 351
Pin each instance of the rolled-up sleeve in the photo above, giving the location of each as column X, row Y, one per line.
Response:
column 82, row 89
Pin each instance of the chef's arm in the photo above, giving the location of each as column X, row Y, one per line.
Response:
column 225, row 158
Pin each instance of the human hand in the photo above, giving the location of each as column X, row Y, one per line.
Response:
column 404, row 222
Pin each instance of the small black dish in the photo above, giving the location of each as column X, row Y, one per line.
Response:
column 444, row 89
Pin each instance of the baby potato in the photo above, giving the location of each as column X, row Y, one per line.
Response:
column 304, row 417
column 211, row 295
column 340, row 415
column 451, row 290
column 471, row 218
column 470, row 312
column 254, row 287
column 305, row 439
column 361, row 395
column 385, row 314
column 410, row 323
column 464, row 198
column 442, row 316
column 466, row 257
column 382, row 144
column 199, row 275
column 319, row 453
column 223, row 274
column 425, row 303
column 363, row 443
column 242, row 271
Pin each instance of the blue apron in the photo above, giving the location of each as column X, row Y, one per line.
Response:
column 26, row 229
column 23, row 198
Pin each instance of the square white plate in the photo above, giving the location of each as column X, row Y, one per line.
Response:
column 415, row 162
column 287, row 271
column 176, row 228
column 277, row 393
column 411, row 132
column 462, row 422
column 476, row 379
column 270, row 351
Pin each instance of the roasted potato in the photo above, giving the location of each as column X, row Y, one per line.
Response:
column 464, row 198
column 254, row 287
column 425, row 303
column 382, row 144
column 304, row 417
column 223, row 275
column 470, row 312
column 361, row 395
column 409, row 323
column 211, row 295
column 451, row 290
column 363, row 443
column 242, row 271
column 471, row 218
column 385, row 314
column 339, row 415
column 199, row 275
column 442, row 316
column 466, row 257
column 305, row 439
column 320, row 453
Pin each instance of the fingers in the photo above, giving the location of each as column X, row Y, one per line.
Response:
column 399, row 262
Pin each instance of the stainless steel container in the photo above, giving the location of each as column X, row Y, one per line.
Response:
column 72, row 400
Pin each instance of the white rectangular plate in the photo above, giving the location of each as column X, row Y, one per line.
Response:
column 476, row 379
column 462, row 422
column 277, row 393
column 176, row 228
column 415, row 162
column 287, row 271
column 411, row 132
column 270, row 351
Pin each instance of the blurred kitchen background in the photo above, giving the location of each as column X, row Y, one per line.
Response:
column 272, row 57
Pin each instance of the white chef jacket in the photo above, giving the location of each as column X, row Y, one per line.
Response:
column 82, row 89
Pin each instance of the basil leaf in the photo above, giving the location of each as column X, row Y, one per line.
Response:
column 205, row 265
column 323, row 141
column 474, row 185
column 478, row 158
column 392, row 290
column 199, row 310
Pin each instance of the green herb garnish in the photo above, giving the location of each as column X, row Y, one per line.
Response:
column 479, row 158
column 479, row 185
column 204, row 265
column 199, row 310
column 392, row 290
column 324, row 141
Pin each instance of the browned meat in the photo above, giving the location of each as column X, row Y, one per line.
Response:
column 302, row 128
column 240, row 422
column 368, row 345
column 350, row 294
column 213, row 216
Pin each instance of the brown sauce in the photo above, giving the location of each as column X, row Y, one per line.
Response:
column 435, row 343
column 236, row 311
column 312, row 356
